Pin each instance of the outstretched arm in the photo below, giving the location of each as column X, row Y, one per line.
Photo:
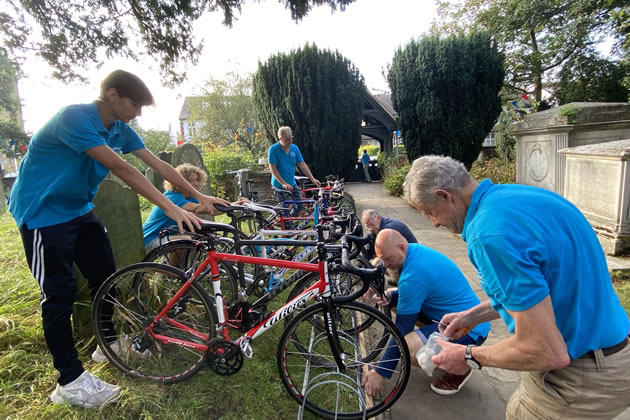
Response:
column 306, row 170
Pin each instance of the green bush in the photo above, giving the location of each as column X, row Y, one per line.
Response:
column 394, row 182
column 220, row 160
column 497, row 169
column 372, row 150
column 389, row 163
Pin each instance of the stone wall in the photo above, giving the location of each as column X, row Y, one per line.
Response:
column 541, row 135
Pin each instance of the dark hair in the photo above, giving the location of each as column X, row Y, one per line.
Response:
column 364, row 150
column 128, row 85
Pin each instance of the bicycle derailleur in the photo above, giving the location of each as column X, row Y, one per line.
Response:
column 224, row 357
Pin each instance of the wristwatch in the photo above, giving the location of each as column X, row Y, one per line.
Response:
column 470, row 359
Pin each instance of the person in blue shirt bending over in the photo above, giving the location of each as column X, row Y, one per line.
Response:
column 283, row 157
column 365, row 161
column 430, row 286
column 51, row 202
column 374, row 223
column 539, row 261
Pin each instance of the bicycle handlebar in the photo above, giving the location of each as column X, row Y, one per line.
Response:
column 366, row 275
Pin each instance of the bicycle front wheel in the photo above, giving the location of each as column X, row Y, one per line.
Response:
column 323, row 388
column 130, row 300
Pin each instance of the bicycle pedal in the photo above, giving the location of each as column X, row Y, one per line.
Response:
column 246, row 349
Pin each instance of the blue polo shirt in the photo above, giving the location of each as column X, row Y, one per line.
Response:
column 285, row 163
column 57, row 180
column 528, row 243
column 158, row 220
column 365, row 158
column 400, row 227
column 430, row 283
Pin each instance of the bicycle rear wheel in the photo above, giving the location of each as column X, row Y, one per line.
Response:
column 129, row 301
column 322, row 388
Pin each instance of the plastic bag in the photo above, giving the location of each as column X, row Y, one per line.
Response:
column 430, row 349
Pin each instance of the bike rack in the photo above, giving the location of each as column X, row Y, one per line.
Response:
column 349, row 380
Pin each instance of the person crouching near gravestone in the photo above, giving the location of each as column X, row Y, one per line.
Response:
column 51, row 202
column 539, row 261
column 430, row 285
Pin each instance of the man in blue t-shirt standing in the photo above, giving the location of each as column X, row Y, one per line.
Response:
column 365, row 162
column 430, row 286
column 51, row 202
column 283, row 157
column 544, row 270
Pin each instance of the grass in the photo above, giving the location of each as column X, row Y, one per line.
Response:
column 27, row 376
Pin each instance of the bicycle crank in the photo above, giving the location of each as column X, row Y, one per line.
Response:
column 224, row 357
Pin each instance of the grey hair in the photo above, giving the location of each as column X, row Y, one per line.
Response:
column 283, row 130
column 432, row 172
column 369, row 214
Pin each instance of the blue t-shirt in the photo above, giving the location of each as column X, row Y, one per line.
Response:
column 430, row 283
column 365, row 158
column 285, row 163
column 400, row 227
column 528, row 243
column 57, row 180
column 158, row 220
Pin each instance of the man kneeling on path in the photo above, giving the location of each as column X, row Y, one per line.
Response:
column 430, row 285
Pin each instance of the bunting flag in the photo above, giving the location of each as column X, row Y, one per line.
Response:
column 22, row 148
column 179, row 141
column 525, row 99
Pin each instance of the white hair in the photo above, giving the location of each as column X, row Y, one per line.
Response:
column 430, row 173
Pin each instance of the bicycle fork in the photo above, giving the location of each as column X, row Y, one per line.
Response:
column 330, row 318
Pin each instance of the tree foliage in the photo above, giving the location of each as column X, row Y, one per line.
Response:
column 155, row 140
column 591, row 78
column 225, row 114
column 10, row 110
column 319, row 94
column 70, row 34
column 446, row 93
column 538, row 36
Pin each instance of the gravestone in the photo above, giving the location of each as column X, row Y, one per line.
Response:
column 119, row 209
column 189, row 153
column 155, row 178
column 597, row 181
column 541, row 135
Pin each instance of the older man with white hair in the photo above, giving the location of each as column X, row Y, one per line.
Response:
column 544, row 270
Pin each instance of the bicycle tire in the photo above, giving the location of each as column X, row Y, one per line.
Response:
column 316, row 386
column 342, row 286
column 129, row 301
column 186, row 254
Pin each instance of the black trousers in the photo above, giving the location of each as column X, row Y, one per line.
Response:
column 50, row 252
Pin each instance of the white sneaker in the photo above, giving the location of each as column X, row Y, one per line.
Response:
column 122, row 347
column 86, row 391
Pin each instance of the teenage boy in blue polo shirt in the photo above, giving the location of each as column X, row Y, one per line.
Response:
column 544, row 270
column 51, row 202
column 430, row 286
column 283, row 157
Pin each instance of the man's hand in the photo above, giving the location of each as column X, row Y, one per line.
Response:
column 451, row 358
column 287, row 187
column 382, row 300
column 454, row 325
column 316, row 182
column 183, row 218
column 208, row 201
column 372, row 382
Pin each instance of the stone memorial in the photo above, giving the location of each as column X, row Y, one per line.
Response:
column 541, row 135
column 155, row 178
column 597, row 181
column 119, row 209
column 3, row 200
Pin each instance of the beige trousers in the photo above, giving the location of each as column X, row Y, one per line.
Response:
column 595, row 388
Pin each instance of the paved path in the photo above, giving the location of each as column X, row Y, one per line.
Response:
column 487, row 392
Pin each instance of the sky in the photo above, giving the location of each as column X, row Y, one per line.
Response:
column 367, row 33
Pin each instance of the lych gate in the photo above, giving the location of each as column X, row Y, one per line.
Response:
column 379, row 119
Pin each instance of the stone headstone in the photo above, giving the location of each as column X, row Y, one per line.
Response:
column 597, row 181
column 155, row 178
column 119, row 209
column 189, row 153
column 541, row 135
